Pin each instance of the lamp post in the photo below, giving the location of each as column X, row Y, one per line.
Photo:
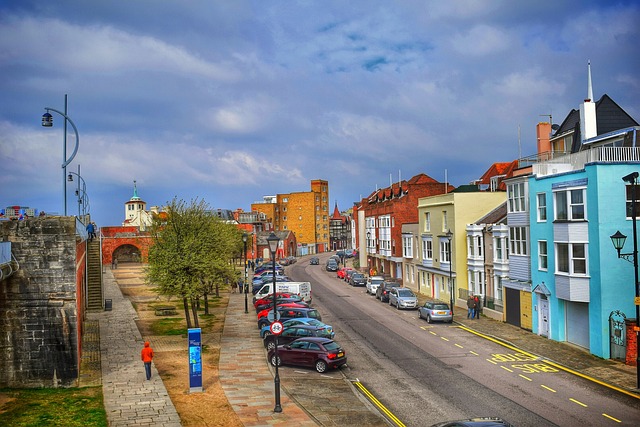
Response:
column 273, row 241
column 47, row 121
column 81, row 193
column 618, row 240
column 246, row 285
column 452, row 290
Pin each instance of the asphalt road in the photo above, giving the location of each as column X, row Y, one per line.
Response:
column 430, row 373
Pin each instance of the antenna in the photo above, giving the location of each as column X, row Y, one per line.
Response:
column 519, row 144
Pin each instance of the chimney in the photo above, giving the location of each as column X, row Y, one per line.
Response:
column 543, row 132
column 588, row 128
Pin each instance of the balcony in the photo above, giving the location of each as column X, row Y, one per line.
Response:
column 548, row 164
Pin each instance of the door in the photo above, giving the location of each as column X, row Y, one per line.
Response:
column 578, row 323
column 512, row 306
column 525, row 310
column 543, row 316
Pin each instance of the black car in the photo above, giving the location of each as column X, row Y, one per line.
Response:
column 357, row 279
column 292, row 333
column 332, row 265
column 382, row 293
column 286, row 313
column 314, row 260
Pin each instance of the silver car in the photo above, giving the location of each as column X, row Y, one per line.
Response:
column 403, row 298
column 435, row 311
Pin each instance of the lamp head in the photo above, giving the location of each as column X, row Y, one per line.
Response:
column 618, row 240
column 273, row 241
column 244, row 237
column 47, row 120
column 449, row 235
column 70, row 178
column 631, row 178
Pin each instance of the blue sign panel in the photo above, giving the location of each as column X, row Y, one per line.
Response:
column 195, row 360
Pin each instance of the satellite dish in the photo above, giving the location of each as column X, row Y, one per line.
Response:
column 555, row 127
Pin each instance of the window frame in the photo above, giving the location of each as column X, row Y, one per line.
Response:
column 542, row 207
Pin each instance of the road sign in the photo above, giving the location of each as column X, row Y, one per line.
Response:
column 276, row 328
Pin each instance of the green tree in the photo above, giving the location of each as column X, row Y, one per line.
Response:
column 190, row 254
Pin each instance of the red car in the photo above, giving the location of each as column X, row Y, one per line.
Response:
column 312, row 352
column 343, row 272
column 279, row 295
column 266, row 311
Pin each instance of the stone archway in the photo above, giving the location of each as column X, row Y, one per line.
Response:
column 126, row 253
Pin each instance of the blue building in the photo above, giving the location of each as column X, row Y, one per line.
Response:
column 575, row 200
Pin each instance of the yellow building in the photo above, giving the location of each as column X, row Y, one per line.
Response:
column 306, row 214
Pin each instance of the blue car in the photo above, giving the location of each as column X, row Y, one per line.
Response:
column 264, row 331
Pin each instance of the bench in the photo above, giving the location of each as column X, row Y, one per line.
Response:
column 165, row 310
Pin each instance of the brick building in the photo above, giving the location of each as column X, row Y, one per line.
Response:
column 379, row 218
column 306, row 214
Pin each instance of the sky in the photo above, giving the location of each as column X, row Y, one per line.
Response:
column 229, row 101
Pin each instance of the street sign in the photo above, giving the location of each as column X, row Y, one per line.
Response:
column 276, row 328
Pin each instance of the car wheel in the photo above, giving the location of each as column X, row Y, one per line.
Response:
column 273, row 360
column 271, row 345
column 428, row 319
column 397, row 305
column 419, row 314
column 266, row 333
column 321, row 366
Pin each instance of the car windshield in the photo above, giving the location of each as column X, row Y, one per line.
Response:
column 405, row 293
column 357, row 276
column 315, row 322
column 331, row 346
column 440, row 307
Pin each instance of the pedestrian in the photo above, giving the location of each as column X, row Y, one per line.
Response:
column 476, row 307
column 114, row 263
column 241, row 286
column 91, row 230
column 147, row 356
column 470, row 304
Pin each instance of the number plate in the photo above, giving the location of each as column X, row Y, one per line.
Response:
column 441, row 313
column 341, row 354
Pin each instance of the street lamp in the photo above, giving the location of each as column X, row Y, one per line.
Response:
column 449, row 236
column 246, row 285
column 47, row 121
column 81, row 193
column 273, row 241
column 618, row 240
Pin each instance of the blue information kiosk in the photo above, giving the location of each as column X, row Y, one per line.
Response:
column 195, row 360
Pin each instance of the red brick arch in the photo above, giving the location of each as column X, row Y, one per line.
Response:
column 115, row 237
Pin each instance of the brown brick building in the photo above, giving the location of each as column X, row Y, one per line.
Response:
column 306, row 214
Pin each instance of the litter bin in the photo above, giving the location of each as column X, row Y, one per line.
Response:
column 107, row 305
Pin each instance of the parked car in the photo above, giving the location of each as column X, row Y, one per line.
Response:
column 342, row 272
column 403, row 298
column 292, row 333
column 435, row 311
column 347, row 275
column 267, row 304
column 357, row 279
column 348, row 253
column 264, row 313
column 372, row 284
column 332, row 265
column 314, row 260
column 327, row 329
column 286, row 313
column 476, row 422
column 382, row 293
column 279, row 296
column 341, row 254
column 319, row 353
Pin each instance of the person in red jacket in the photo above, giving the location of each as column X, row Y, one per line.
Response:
column 147, row 357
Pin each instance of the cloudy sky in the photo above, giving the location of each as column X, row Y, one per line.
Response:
column 228, row 101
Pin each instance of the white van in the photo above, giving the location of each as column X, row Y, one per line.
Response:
column 302, row 289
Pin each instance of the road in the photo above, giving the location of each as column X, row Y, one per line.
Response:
column 430, row 373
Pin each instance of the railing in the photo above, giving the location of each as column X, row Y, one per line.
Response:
column 550, row 164
column 8, row 263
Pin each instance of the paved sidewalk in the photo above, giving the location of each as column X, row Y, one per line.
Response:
column 129, row 399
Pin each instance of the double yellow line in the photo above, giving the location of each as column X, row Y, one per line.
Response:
column 378, row 404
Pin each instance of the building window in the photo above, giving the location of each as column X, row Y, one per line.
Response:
column 427, row 249
column 542, row 255
column 570, row 205
column 427, row 221
column 516, row 197
column 498, row 289
column 542, row 207
column 285, row 200
column 630, row 201
column 407, row 246
column 518, row 240
column 445, row 249
column 499, row 251
column 571, row 258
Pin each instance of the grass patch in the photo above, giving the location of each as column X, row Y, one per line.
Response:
column 53, row 407
column 169, row 326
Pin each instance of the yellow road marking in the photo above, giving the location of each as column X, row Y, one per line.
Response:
column 578, row 402
column 526, row 378
column 571, row 371
column 492, row 361
column 474, row 353
column 611, row 418
column 458, row 345
column 378, row 404
column 548, row 388
column 506, row 369
column 432, row 333
column 446, row 339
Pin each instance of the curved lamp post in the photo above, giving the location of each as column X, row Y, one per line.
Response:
column 47, row 121
column 81, row 193
column 452, row 290
column 618, row 240
column 246, row 285
column 273, row 241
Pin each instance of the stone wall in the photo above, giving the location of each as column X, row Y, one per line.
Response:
column 40, row 309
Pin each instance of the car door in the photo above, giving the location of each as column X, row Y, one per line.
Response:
column 393, row 296
column 297, row 353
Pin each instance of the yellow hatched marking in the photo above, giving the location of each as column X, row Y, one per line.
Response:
column 432, row 333
column 492, row 361
column 548, row 388
column 474, row 353
column 458, row 345
column 446, row 339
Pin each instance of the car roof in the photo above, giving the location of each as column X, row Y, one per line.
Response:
column 321, row 340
